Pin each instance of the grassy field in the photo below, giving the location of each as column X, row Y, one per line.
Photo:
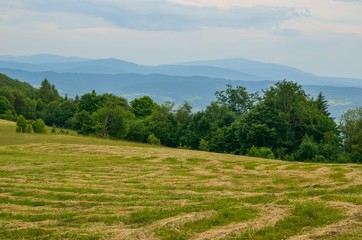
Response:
column 70, row 187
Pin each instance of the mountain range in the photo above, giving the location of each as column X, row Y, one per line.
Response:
column 195, row 81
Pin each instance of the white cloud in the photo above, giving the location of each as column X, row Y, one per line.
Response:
column 162, row 15
column 323, row 37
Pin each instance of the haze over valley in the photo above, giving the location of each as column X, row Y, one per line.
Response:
column 195, row 82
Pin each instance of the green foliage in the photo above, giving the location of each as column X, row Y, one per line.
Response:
column 138, row 131
column 204, row 145
column 8, row 115
column 5, row 105
column 82, row 122
column 152, row 139
column 47, row 92
column 163, row 125
column 351, row 127
column 110, row 100
column 38, row 126
column 21, row 124
column 263, row 152
column 24, row 105
column 111, row 122
column 142, row 107
column 307, row 150
column 237, row 99
column 59, row 113
column 322, row 104
column 274, row 125
column 89, row 102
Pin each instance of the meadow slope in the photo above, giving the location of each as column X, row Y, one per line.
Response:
column 70, row 187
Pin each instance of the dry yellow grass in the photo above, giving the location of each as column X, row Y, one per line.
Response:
column 72, row 187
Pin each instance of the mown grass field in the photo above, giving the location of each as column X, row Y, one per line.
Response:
column 71, row 187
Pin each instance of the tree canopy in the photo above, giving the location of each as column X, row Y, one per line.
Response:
column 284, row 122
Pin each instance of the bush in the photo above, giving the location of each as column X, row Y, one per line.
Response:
column 5, row 105
column 253, row 152
column 263, row 152
column 281, row 153
column 152, row 139
column 39, row 126
column 307, row 150
column 8, row 115
column 21, row 124
column 204, row 145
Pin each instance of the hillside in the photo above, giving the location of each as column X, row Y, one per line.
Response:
column 5, row 81
column 195, row 82
column 71, row 187
column 197, row 90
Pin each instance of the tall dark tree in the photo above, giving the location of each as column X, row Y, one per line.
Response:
column 110, row 100
column 351, row 127
column 89, row 102
column 162, row 124
column 82, row 123
column 111, row 122
column 47, row 92
column 322, row 104
column 5, row 105
column 237, row 99
column 142, row 107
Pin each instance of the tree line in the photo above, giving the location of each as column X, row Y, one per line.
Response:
column 284, row 122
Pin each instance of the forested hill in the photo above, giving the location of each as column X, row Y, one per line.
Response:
column 197, row 90
column 284, row 123
column 5, row 81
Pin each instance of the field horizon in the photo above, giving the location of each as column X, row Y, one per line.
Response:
column 57, row 186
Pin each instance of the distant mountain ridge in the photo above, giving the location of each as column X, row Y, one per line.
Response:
column 195, row 81
column 231, row 69
column 41, row 58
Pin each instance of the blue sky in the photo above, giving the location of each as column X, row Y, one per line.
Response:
column 323, row 37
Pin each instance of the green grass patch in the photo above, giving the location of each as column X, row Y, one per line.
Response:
column 339, row 175
column 260, row 199
column 196, row 161
column 222, row 217
column 342, row 198
column 305, row 215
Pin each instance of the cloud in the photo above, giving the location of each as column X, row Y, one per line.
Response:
column 349, row 1
column 163, row 15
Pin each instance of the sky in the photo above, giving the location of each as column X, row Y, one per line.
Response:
column 319, row 36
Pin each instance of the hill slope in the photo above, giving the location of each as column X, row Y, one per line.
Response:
column 195, row 82
column 70, row 187
column 198, row 91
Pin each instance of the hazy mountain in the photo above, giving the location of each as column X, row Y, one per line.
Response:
column 115, row 66
column 197, row 90
column 41, row 58
column 195, row 81
column 232, row 69
column 271, row 71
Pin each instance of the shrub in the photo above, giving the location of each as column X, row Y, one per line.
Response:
column 39, row 126
column 204, row 145
column 21, row 124
column 307, row 150
column 263, row 152
column 152, row 139
column 8, row 115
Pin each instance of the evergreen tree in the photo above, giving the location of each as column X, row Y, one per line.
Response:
column 322, row 104
column 47, row 92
